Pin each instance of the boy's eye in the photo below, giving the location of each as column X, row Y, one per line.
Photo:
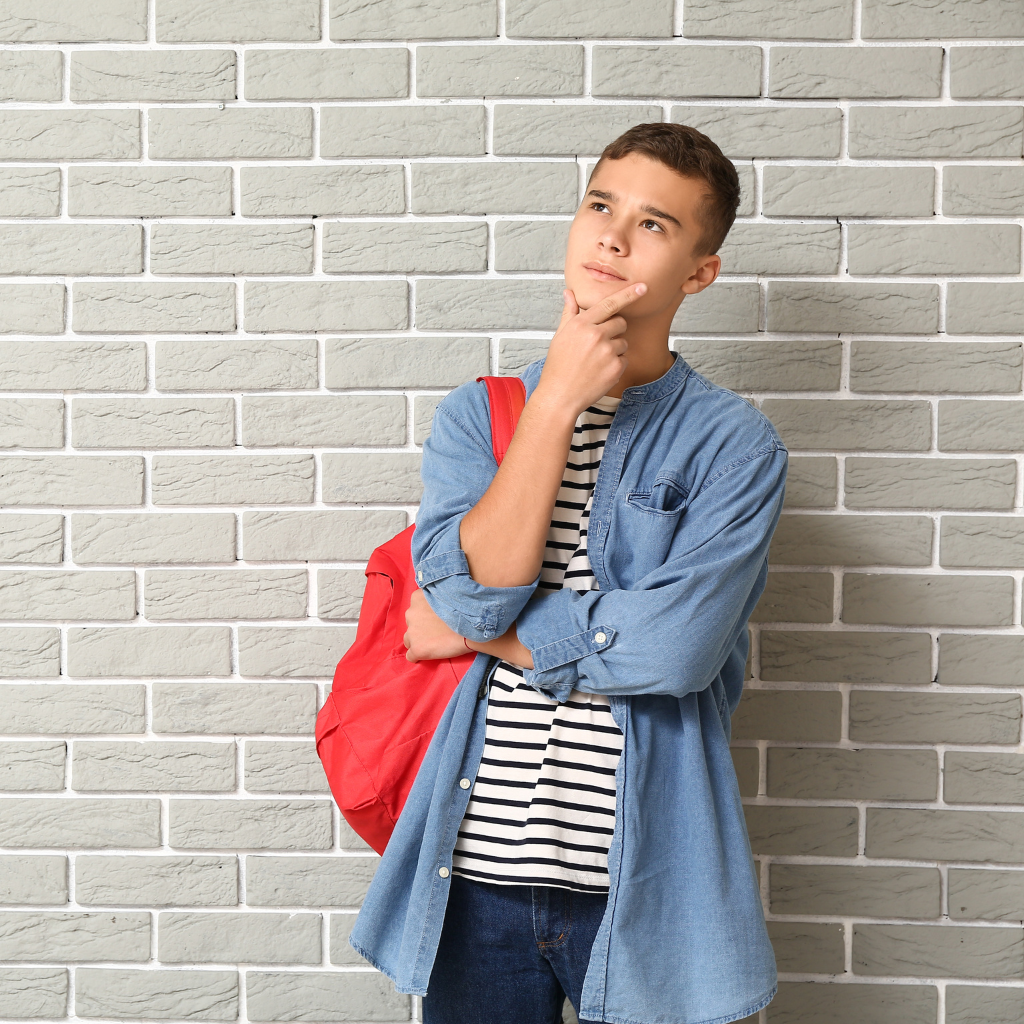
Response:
column 594, row 206
column 654, row 222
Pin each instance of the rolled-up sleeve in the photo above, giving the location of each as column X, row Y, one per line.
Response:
column 671, row 633
column 458, row 467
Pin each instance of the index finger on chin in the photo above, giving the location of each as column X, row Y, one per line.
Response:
column 611, row 304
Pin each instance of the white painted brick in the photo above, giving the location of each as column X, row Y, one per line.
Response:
column 206, row 133
column 73, row 21
column 31, row 76
column 409, row 19
column 241, row 21
column 677, row 71
column 339, row 74
column 805, row 19
column 198, row 191
column 499, row 70
column 70, row 135
column 322, row 191
column 230, row 249
column 153, row 308
column 104, row 76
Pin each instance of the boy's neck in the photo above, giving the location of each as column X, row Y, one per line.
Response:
column 644, row 367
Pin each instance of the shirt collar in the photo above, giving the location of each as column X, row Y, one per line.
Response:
column 671, row 379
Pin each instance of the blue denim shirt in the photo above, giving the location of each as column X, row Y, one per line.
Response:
column 688, row 494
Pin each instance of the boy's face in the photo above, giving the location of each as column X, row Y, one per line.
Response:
column 638, row 222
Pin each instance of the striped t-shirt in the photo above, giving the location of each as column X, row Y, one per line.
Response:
column 542, row 810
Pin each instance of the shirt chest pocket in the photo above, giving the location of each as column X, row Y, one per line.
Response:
column 665, row 497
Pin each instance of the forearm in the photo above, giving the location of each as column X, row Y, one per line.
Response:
column 506, row 647
column 505, row 533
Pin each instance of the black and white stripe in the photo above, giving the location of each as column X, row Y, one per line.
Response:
column 542, row 810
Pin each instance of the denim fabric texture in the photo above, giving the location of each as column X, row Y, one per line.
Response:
column 510, row 954
column 688, row 494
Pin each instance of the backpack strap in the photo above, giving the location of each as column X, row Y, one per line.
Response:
column 508, row 397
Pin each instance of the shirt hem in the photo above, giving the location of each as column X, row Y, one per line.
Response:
column 412, row 990
column 595, row 1015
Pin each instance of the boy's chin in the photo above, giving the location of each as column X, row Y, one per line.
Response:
column 589, row 291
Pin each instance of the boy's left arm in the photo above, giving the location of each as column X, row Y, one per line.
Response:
column 672, row 633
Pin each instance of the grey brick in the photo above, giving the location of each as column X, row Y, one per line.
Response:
column 317, row 535
column 544, row 70
column 851, row 425
column 322, row 191
column 980, row 426
column 848, row 191
column 103, row 76
column 152, row 422
column 676, row 71
column 405, row 362
column 326, row 306
column 919, row 19
column 329, row 421
column 883, row 72
column 73, row 936
column 943, row 132
column 156, row 994
column 407, row 19
column 918, row 951
column 822, row 774
column 514, row 355
column 73, row 21
column 187, row 938
column 836, row 657
column 204, row 708
column 537, row 245
column 74, row 708
column 986, row 895
column 952, row 367
column 841, row 891
column 807, row 948
column 402, row 131
column 96, row 365
column 488, row 304
column 153, row 307
column 29, row 652
column 29, row 191
column 33, row 992
column 99, row 651
column 488, row 188
column 31, row 308
column 542, row 130
column 321, row 996
column 795, row 597
column 80, row 822
column 227, row 249
column 278, row 766
column 308, row 881
column 762, row 19
column 852, row 540
column 225, row 593
column 31, row 423
column 242, row 21
column 781, row 249
column 971, row 190
column 973, row 778
column 425, row 406
column 339, row 593
column 32, row 766
column 930, row 483
column 966, row 660
column 727, row 307
column 989, row 72
column 97, row 191
column 376, row 478
column 811, row 482
column 207, row 133
column 380, row 72
column 31, row 538
column 70, row 480
column 132, row 766
column 247, row 364
column 33, row 879
column 811, row 1002
column 66, row 594
column 747, row 365
column 292, row 652
column 73, row 249
column 767, row 131
column 982, row 308
column 252, row 824
column 575, row 18
column 110, row 538
column 232, row 479
column 789, row 715
column 404, row 247
column 70, row 135
column 31, row 76
column 983, row 1005
column 745, row 762
column 880, row 717
column 996, row 836
column 156, row 881
column 341, row 951
column 982, row 542
column 802, row 831
column 825, row 307
column 934, row 249
column 915, row 599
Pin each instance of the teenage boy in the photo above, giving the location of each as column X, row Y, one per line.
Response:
column 576, row 824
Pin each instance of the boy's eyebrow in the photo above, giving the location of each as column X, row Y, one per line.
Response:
column 647, row 208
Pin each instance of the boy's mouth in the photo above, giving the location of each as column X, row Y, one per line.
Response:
column 602, row 272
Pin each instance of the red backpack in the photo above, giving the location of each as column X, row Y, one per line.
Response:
column 377, row 722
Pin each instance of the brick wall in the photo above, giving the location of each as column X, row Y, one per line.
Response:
column 246, row 245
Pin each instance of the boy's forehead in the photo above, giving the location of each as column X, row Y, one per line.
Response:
column 641, row 179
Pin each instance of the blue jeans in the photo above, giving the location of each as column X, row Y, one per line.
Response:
column 510, row 954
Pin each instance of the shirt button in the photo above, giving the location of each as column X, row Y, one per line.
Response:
column 465, row 783
column 419, row 575
column 443, row 872
column 600, row 638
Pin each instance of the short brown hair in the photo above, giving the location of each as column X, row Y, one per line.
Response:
column 691, row 154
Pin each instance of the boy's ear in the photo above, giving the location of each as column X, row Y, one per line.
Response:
column 704, row 275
